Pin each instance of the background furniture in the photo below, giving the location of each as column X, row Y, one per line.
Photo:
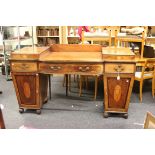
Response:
column 14, row 38
column 72, row 36
column 149, row 121
column 147, row 72
column 153, row 85
column 123, row 37
column 100, row 35
column 148, row 51
column 47, row 35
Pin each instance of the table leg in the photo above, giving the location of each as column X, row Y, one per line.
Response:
column 49, row 86
column 66, row 84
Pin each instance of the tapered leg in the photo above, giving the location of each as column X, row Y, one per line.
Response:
column 49, row 79
column 86, row 82
column 141, row 89
column 66, row 76
column 81, row 81
column 64, row 81
column 74, row 78
column 78, row 85
column 96, row 87
column 153, row 86
column 69, row 84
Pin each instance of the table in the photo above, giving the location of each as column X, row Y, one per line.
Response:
column 121, row 37
column 97, row 36
column 30, row 69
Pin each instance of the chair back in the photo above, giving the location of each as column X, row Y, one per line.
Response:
column 148, row 52
column 149, row 121
column 2, row 125
column 148, row 69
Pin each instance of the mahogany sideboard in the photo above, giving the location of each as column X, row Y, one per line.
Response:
column 30, row 68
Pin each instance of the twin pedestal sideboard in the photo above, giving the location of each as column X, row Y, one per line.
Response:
column 30, row 69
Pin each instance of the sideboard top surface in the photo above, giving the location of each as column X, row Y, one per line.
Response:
column 73, row 53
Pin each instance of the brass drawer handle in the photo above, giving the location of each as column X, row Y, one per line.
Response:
column 84, row 69
column 119, row 68
column 55, row 68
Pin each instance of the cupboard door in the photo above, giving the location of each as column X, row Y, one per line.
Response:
column 27, row 90
column 117, row 92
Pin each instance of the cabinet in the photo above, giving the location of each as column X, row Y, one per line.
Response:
column 31, row 90
column 47, row 35
column 14, row 38
column 30, row 85
column 118, row 80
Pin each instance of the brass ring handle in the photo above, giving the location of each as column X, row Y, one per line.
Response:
column 84, row 68
column 55, row 68
column 119, row 68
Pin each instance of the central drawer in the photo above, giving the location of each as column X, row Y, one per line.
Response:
column 85, row 69
column 24, row 66
column 119, row 68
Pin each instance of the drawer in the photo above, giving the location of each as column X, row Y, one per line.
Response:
column 119, row 67
column 85, row 69
column 24, row 67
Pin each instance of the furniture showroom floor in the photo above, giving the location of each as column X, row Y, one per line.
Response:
column 74, row 112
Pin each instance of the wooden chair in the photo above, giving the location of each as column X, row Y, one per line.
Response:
column 96, row 37
column 149, row 121
column 2, row 125
column 119, row 38
column 153, row 85
column 67, row 82
column 82, row 77
column 147, row 72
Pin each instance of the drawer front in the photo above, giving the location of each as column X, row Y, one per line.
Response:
column 85, row 69
column 24, row 67
column 119, row 68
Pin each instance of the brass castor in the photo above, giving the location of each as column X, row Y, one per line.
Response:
column 125, row 116
column 105, row 115
column 21, row 110
column 38, row 111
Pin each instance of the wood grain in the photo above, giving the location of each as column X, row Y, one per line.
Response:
column 117, row 97
column 28, row 53
column 75, row 48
